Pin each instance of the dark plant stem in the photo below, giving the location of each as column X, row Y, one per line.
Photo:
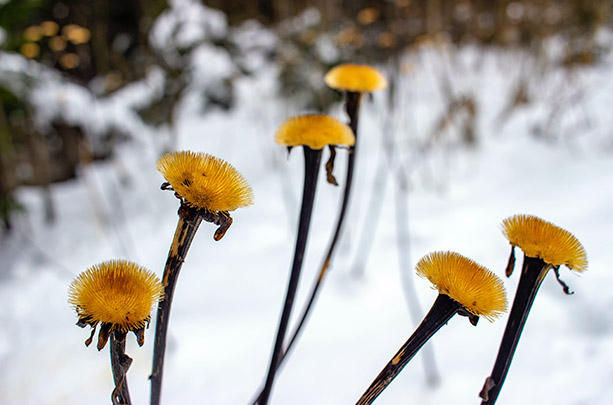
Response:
column 312, row 159
column 189, row 221
column 120, row 363
column 533, row 273
column 352, row 107
column 442, row 310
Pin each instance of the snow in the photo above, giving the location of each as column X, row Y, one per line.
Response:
column 229, row 294
column 187, row 23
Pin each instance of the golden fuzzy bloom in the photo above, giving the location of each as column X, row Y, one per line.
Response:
column 314, row 131
column 205, row 182
column 116, row 292
column 542, row 239
column 356, row 78
column 476, row 288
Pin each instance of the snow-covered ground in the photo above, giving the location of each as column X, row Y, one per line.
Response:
column 230, row 292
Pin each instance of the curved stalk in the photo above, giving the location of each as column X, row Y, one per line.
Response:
column 533, row 273
column 312, row 159
column 442, row 310
column 189, row 221
column 120, row 363
column 352, row 107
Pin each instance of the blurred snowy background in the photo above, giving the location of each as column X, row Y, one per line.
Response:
column 493, row 109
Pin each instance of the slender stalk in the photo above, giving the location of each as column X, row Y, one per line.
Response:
column 120, row 363
column 352, row 107
column 189, row 221
column 312, row 159
column 442, row 310
column 404, row 258
column 373, row 213
column 533, row 273
column 385, row 163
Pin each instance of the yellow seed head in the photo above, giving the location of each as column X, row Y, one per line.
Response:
column 57, row 44
column 476, row 288
column 33, row 33
column 356, row 78
column 542, row 239
column 116, row 292
column 69, row 60
column 205, row 182
column 29, row 50
column 49, row 28
column 76, row 34
column 314, row 131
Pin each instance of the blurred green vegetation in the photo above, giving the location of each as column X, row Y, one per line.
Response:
column 13, row 113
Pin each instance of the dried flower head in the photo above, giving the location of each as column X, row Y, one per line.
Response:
column 205, row 182
column 355, row 78
column 117, row 294
column 314, row 131
column 544, row 240
column 473, row 286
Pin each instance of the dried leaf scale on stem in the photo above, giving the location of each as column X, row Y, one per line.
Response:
column 208, row 189
column 354, row 81
column 118, row 295
column 546, row 247
column 465, row 288
column 312, row 132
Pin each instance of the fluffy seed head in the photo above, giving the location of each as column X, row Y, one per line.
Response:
column 205, row 182
column 542, row 239
column 314, row 131
column 476, row 288
column 116, row 292
column 356, row 78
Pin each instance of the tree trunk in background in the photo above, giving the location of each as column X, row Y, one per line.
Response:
column 433, row 16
